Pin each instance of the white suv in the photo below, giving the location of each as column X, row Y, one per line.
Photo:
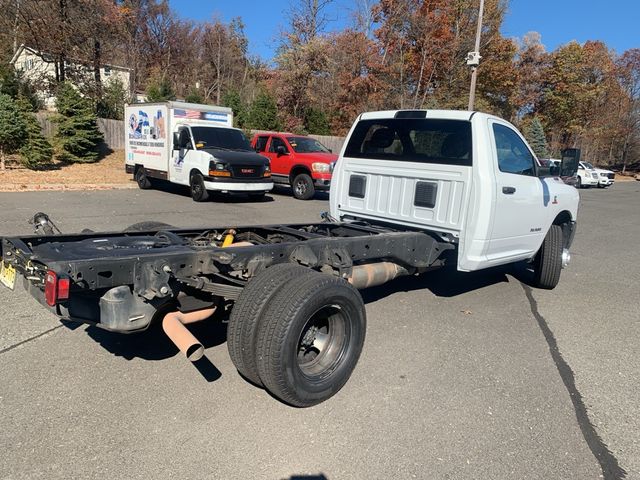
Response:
column 587, row 175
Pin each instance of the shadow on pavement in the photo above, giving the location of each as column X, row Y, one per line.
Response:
column 183, row 191
column 446, row 282
column 153, row 344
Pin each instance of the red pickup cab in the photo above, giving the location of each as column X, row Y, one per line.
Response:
column 296, row 160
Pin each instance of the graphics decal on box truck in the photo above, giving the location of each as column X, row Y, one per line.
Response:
column 193, row 145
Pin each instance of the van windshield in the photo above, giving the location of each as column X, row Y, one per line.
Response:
column 220, row 138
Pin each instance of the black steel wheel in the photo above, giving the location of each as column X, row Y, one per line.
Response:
column 198, row 190
column 247, row 313
column 302, row 186
column 142, row 180
column 310, row 339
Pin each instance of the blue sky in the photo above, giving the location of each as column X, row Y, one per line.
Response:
column 558, row 21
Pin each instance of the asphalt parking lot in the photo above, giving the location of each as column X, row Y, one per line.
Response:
column 462, row 375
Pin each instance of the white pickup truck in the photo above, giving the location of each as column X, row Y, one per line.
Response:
column 412, row 191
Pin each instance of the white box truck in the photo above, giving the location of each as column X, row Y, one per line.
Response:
column 194, row 145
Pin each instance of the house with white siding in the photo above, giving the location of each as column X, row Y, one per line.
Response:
column 40, row 69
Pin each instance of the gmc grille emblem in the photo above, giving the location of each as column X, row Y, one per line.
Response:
column 247, row 170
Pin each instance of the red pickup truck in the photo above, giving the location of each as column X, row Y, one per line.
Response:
column 296, row 160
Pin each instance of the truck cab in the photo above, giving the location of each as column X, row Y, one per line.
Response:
column 297, row 160
column 468, row 177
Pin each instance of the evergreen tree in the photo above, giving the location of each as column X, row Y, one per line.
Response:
column 194, row 96
column 263, row 114
column 114, row 96
column 316, row 122
column 233, row 100
column 159, row 89
column 534, row 133
column 36, row 150
column 12, row 128
column 77, row 136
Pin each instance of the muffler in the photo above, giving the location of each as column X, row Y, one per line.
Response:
column 173, row 325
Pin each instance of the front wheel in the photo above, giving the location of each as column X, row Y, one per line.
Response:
column 310, row 339
column 198, row 191
column 303, row 188
column 548, row 262
column 579, row 184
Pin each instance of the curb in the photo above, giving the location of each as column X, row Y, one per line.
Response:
column 53, row 187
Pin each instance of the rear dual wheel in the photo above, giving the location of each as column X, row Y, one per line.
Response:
column 307, row 336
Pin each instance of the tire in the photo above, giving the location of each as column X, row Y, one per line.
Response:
column 548, row 261
column 141, row 179
column 247, row 312
column 257, row 197
column 579, row 184
column 302, row 186
column 147, row 226
column 310, row 339
column 198, row 191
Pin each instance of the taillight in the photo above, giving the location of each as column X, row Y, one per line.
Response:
column 55, row 288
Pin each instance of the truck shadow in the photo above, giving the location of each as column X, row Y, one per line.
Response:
column 183, row 191
column 153, row 344
column 448, row 282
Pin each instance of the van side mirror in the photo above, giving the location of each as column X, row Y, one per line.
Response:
column 176, row 141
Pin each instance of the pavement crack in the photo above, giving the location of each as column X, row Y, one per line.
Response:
column 611, row 470
column 35, row 337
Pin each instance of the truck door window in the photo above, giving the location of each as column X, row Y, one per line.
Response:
column 184, row 138
column 261, row 143
column 513, row 154
column 275, row 143
column 412, row 140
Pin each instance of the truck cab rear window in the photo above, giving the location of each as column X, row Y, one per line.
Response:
column 418, row 140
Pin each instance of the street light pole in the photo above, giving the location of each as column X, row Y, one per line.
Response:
column 473, row 58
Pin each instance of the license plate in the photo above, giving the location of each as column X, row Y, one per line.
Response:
column 7, row 275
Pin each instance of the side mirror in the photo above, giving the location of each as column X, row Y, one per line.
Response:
column 280, row 150
column 330, row 150
column 176, row 141
column 569, row 166
column 554, row 171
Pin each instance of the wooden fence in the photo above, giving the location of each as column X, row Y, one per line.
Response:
column 113, row 131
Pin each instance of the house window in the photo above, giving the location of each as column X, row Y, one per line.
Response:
column 107, row 71
column 27, row 64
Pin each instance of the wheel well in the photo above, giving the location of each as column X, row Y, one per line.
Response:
column 563, row 219
column 297, row 170
column 194, row 170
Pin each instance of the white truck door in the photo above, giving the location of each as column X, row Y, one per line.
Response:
column 522, row 199
column 177, row 171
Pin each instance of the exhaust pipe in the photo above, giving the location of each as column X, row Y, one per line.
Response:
column 373, row 274
column 173, row 325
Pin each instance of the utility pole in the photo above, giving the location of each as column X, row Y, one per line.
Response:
column 473, row 58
